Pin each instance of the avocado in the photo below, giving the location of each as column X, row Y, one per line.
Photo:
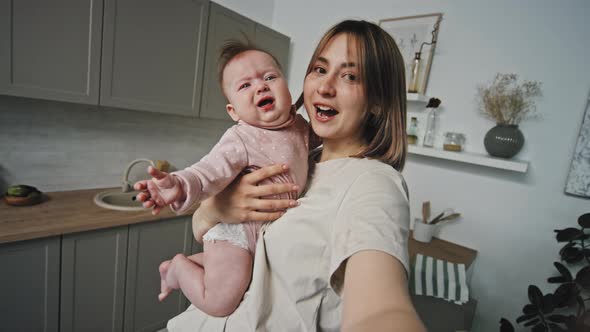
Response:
column 20, row 190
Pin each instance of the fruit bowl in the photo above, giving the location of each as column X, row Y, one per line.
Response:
column 23, row 195
column 23, row 201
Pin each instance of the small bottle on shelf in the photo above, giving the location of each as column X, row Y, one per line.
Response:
column 431, row 123
column 415, row 74
column 430, row 132
column 413, row 131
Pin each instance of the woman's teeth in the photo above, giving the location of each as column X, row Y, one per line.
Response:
column 325, row 112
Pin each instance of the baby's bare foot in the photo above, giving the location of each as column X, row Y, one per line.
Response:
column 164, row 289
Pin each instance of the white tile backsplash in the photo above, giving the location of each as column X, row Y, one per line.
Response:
column 62, row 146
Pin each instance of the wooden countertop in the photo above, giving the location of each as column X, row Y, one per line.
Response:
column 441, row 249
column 67, row 212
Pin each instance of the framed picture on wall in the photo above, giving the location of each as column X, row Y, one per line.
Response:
column 578, row 180
column 416, row 38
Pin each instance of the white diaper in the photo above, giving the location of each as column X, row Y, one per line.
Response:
column 234, row 233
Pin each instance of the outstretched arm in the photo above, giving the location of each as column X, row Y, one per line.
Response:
column 160, row 191
column 375, row 295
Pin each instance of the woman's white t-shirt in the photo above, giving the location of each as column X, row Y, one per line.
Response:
column 351, row 205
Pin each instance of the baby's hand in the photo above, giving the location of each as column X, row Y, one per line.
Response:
column 162, row 190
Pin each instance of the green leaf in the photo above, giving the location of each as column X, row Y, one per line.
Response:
column 556, row 328
column 526, row 317
column 568, row 234
column 572, row 255
column 565, row 295
column 556, row 280
column 535, row 296
column 532, row 322
column 583, row 277
column 540, row 328
column 584, row 220
column 567, row 245
column 548, row 304
column 506, row 326
column 564, row 271
column 581, row 305
column 557, row 318
column 530, row 309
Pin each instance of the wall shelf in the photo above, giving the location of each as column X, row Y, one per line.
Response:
column 471, row 158
column 417, row 97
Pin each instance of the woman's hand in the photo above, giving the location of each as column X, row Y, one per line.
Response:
column 162, row 190
column 241, row 201
column 203, row 220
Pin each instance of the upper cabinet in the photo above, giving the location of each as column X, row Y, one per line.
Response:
column 225, row 25
column 153, row 54
column 149, row 55
column 51, row 49
column 275, row 43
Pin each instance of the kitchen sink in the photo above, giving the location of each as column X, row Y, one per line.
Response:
column 115, row 199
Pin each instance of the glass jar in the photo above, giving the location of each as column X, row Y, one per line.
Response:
column 454, row 142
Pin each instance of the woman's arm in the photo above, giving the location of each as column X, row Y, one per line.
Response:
column 375, row 295
column 240, row 201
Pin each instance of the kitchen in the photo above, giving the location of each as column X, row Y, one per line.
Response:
column 508, row 217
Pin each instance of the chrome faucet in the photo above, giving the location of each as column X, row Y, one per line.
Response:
column 127, row 187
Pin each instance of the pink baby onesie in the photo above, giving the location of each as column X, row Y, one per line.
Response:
column 243, row 147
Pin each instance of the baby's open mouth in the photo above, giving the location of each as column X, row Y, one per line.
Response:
column 266, row 102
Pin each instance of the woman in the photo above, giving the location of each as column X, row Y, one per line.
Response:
column 339, row 260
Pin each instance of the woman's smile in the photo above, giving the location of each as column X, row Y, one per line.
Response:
column 324, row 113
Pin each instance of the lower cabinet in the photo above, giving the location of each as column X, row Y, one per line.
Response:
column 107, row 280
column 93, row 280
column 29, row 284
column 149, row 245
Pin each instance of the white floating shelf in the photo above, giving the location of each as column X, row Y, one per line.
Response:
column 417, row 97
column 471, row 158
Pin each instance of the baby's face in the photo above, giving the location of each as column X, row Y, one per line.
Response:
column 256, row 90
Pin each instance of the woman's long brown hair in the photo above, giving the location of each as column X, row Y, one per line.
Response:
column 382, row 73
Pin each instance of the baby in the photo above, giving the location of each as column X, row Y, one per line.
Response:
column 268, row 131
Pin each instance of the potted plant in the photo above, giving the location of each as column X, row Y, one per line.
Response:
column 507, row 101
column 565, row 309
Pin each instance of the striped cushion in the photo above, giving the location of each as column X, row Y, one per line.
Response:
column 439, row 278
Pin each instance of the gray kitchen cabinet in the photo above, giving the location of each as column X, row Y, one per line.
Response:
column 275, row 43
column 93, row 280
column 29, row 284
column 153, row 54
column 149, row 245
column 225, row 25
column 51, row 49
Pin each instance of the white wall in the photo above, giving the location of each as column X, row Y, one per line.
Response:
column 260, row 11
column 58, row 146
column 508, row 217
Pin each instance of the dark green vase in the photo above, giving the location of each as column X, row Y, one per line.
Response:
column 504, row 141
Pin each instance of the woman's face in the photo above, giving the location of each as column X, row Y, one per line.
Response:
column 333, row 93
